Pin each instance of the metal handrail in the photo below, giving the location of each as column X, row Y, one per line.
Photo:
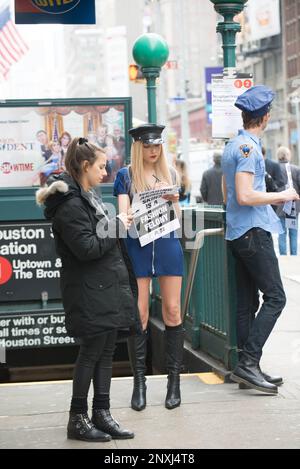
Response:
column 198, row 243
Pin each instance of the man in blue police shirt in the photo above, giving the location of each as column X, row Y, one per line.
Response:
column 250, row 222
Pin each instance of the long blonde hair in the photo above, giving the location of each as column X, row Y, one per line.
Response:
column 137, row 166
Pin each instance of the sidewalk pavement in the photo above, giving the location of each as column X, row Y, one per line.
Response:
column 211, row 415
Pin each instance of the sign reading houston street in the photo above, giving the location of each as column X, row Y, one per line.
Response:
column 28, row 262
column 55, row 11
column 33, row 330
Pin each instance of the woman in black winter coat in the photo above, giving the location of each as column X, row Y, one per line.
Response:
column 97, row 283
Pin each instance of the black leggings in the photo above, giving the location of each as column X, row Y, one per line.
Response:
column 94, row 362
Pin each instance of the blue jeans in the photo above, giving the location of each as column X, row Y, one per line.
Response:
column 293, row 236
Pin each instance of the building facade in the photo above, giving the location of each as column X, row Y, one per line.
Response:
column 291, row 47
column 261, row 53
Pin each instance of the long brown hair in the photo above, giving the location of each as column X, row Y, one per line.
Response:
column 183, row 174
column 80, row 150
column 137, row 165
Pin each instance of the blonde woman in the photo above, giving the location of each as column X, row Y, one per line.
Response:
column 162, row 258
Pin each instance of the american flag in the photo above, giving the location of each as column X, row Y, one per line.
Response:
column 12, row 46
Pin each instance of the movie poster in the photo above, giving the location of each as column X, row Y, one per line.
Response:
column 34, row 140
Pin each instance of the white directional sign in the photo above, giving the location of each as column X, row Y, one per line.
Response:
column 226, row 118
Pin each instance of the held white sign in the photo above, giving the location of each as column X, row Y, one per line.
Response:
column 226, row 118
column 153, row 216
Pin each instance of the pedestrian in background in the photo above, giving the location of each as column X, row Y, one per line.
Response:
column 211, row 184
column 274, row 170
column 284, row 157
column 184, row 182
column 250, row 221
column 97, row 289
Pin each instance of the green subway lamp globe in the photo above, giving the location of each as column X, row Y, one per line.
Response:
column 232, row 2
column 150, row 50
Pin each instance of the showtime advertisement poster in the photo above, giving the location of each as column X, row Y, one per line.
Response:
column 55, row 11
column 34, row 140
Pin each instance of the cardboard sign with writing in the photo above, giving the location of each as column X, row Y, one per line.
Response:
column 153, row 215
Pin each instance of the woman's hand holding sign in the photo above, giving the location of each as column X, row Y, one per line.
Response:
column 126, row 219
column 171, row 197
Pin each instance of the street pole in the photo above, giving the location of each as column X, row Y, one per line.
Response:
column 162, row 110
column 151, row 74
column 297, row 103
column 228, row 29
column 184, row 114
column 151, row 52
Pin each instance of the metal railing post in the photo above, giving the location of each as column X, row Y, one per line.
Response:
column 199, row 241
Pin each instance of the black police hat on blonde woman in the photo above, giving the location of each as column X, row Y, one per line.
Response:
column 148, row 133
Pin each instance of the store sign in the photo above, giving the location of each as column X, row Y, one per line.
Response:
column 29, row 266
column 33, row 331
column 55, row 11
column 263, row 18
column 226, row 118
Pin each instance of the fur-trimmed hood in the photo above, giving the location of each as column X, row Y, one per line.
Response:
column 43, row 193
column 60, row 189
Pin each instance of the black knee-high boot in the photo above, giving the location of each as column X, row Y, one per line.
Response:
column 137, row 350
column 174, row 338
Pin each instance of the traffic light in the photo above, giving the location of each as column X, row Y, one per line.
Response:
column 136, row 74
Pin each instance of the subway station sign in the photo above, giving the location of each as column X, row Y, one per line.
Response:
column 226, row 118
column 33, row 331
column 29, row 266
column 55, row 11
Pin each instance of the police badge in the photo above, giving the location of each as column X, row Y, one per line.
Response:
column 246, row 150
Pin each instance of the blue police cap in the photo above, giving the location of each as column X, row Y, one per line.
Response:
column 256, row 101
column 148, row 133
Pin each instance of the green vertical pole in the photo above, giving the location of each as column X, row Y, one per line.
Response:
column 228, row 31
column 229, row 28
column 151, row 74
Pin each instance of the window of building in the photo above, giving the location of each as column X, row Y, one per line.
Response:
column 269, row 67
column 292, row 68
column 258, row 71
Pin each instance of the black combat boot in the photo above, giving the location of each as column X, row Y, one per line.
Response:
column 277, row 380
column 104, row 421
column 80, row 427
column 137, row 351
column 248, row 372
column 174, row 339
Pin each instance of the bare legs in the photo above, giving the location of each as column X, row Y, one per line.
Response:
column 170, row 287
